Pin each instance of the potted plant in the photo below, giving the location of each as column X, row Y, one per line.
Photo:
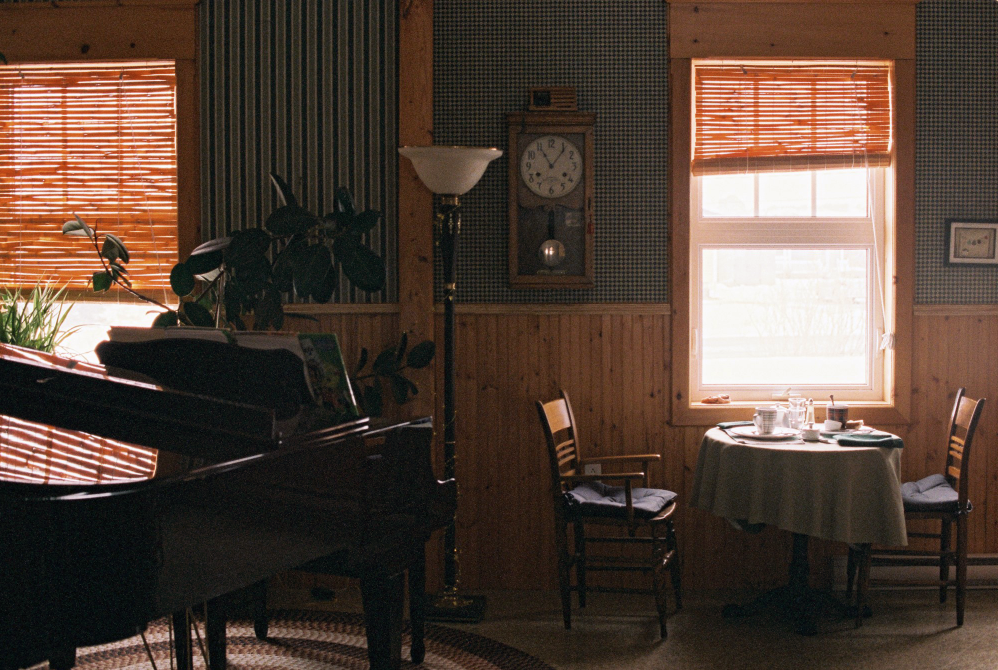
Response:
column 295, row 254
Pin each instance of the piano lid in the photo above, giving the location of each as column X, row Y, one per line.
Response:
column 95, row 399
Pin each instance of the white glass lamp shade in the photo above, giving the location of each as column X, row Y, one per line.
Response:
column 450, row 170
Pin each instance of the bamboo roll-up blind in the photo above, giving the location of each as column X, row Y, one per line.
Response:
column 93, row 139
column 790, row 117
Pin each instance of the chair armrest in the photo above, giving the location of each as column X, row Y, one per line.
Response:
column 595, row 478
column 621, row 459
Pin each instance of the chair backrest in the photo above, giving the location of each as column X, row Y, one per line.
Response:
column 962, row 426
column 562, row 437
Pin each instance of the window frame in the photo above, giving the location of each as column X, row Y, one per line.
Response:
column 129, row 30
column 788, row 30
column 782, row 232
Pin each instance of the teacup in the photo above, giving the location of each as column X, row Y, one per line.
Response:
column 765, row 420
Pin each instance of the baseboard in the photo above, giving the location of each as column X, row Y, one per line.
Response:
column 978, row 576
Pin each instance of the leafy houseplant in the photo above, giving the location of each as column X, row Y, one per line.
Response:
column 224, row 280
column 227, row 278
column 37, row 323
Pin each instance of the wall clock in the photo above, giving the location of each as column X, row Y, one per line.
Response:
column 551, row 191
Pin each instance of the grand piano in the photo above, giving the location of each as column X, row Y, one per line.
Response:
column 241, row 491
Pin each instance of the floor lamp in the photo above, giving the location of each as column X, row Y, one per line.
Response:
column 450, row 172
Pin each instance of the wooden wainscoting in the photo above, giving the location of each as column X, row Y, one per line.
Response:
column 614, row 361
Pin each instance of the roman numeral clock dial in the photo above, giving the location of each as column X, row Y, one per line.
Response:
column 551, row 192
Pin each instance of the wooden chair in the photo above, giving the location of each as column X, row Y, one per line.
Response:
column 941, row 497
column 581, row 500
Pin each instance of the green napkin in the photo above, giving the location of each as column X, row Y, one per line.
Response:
column 731, row 424
column 874, row 439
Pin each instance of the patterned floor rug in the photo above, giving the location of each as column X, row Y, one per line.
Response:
column 302, row 640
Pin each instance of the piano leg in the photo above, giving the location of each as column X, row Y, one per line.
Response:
column 182, row 641
column 261, row 625
column 382, row 597
column 417, row 604
column 62, row 659
column 215, row 633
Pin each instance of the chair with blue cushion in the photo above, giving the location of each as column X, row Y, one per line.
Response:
column 941, row 497
column 619, row 499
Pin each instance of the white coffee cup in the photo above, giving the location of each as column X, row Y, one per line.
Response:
column 832, row 425
column 810, row 433
column 765, row 420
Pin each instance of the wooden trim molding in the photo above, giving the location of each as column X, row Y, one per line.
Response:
column 956, row 310
column 830, row 29
column 588, row 308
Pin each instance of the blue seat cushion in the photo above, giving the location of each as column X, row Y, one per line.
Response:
column 931, row 494
column 599, row 499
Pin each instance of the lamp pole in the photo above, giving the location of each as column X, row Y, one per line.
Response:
column 450, row 172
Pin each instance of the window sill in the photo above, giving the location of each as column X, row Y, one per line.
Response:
column 877, row 414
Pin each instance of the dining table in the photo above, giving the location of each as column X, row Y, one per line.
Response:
column 836, row 489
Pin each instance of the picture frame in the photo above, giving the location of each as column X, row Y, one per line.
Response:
column 971, row 242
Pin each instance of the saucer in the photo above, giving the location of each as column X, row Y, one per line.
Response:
column 780, row 433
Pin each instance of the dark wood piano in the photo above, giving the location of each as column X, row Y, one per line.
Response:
column 241, row 492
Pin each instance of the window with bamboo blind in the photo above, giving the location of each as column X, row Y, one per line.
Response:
column 788, row 229
column 98, row 140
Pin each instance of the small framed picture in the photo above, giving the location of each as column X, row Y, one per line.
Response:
column 972, row 242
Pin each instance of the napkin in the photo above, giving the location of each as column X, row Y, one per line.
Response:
column 724, row 425
column 874, row 439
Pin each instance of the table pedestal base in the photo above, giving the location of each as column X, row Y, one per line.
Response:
column 800, row 603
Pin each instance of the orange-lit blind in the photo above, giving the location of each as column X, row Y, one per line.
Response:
column 93, row 139
column 790, row 117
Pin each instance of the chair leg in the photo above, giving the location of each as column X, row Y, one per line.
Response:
column 676, row 564
column 945, row 537
column 850, row 572
column 661, row 587
column 564, row 569
column 961, row 567
column 580, row 561
column 862, row 564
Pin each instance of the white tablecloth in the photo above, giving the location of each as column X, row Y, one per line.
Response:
column 847, row 494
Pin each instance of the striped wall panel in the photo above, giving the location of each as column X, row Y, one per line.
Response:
column 306, row 89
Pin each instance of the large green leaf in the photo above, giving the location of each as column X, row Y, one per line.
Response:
column 247, row 247
column 400, row 388
column 326, row 289
column 365, row 221
column 400, row 349
column 290, row 220
column 268, row 312
column 182, row 280
column 421, row 354
column 197, row 315
column 384, row 364
column 253, row 276
column 113, row 248
column 164, row 319
column 285, row 263
column 372, row 400
column 283, row 190
column 77, row 228
column 102, row 281
column 364, row 268
column 208, row 256
column 344, row 201
column 314, row 264
column 362, row 362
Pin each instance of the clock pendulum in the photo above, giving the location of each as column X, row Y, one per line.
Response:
column 552, row 252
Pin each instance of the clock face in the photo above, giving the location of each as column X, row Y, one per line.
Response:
column 551, row 166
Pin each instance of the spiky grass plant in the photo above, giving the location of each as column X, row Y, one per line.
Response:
column 34, row 320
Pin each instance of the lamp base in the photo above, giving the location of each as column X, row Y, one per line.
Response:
column 451, row 607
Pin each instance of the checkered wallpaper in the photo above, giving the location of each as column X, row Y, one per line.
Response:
column 956, row 151
column 487, row 54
